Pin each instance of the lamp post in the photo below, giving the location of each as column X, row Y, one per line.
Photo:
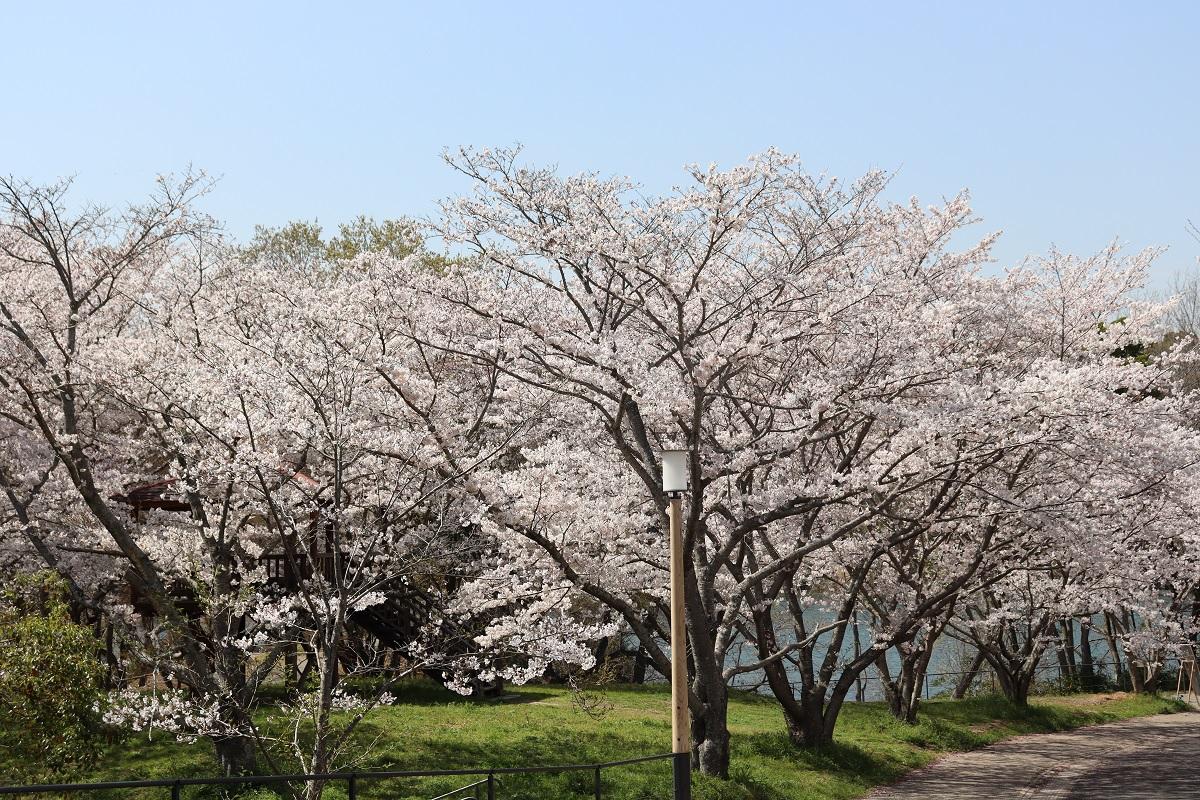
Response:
column 674, row 483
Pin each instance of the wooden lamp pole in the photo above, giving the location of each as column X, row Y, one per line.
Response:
column 674, row 466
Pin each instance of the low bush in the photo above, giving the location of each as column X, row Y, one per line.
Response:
column 50, row 685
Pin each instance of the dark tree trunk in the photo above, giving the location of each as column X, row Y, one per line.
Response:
column 812, row 724
column 1068, row 646
column 1151, row 682
column 710, row 732
column 112, row 659
column 804, row 717
column 859, row 687
column 310, row 663
column 967, row 678
column 601, row 652
column 1064, row 669
column 1137, row 682
column 710, row 729
column 811, row 718
column 235, row 755
column 807, row 725
column 1014, row 674
column 805, row 721
column 903, row 692
column 892, row 692
column 1110, row 637
column 1014, row 682
column 1087, row 666
column 291, row 672
column 639, row 665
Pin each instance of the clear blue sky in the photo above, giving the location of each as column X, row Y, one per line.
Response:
column 1071, row 122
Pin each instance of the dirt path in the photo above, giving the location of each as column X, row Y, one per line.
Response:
column 1139, row 759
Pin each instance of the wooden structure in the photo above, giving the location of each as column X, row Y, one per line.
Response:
column 1188, row 667
column 395, row 623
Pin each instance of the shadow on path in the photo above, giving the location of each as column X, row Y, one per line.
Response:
column 1139, row 759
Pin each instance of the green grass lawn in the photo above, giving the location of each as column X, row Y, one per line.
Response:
column 540, row 725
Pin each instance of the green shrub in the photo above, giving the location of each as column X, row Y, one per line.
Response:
column 50, row 684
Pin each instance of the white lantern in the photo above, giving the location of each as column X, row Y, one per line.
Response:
column 674, row 471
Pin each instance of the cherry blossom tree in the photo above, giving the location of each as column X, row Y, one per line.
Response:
column 293, row 435
column 1116, row 474
column 885, row 441
column 71, row 284
column 288, row 478
column 845, row 383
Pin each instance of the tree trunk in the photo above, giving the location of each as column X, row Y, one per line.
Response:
column 805, row 721
column 859, row 687
column 891, row 690
column 112, row 660
column 291, row 670
column 1015, row 681
column 310, row 663
column 1064, row 669
column 907, row 688
column 967, row 678
column 1136, row 675
column 804, row 717
column 601, row 653
column 1087, row 666
column 810, row 720
column 818, row 710
column 1110, row 637
column 1013, row 687
column 1067, row 627
column 904, row 692
column 710, row 731
column 235, row 755
column 639, row 665
column 1151, row 682
column 706, row 670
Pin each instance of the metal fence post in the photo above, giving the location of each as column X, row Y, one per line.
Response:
column 491, row 786
column 176, row 790
column 682, row 763
column 596, row 783
column 352, row 786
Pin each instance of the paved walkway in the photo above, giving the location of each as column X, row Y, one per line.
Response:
column 1152, row 757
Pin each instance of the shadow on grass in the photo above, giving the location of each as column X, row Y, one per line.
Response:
column 651, row 780
column 837, row 757
column 426, row 692
column 995, row 712
column 996, row 708
column 419, row 692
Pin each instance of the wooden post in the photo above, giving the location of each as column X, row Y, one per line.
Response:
column 680, row 724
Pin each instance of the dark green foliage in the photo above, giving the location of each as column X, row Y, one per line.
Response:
column 1140, row 353
column 50, row 684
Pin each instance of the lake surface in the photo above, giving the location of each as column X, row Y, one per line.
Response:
column 950, row 660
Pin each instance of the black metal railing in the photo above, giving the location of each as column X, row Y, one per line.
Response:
column 486, row 785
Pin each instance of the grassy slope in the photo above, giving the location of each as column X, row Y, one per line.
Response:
column 541, row 725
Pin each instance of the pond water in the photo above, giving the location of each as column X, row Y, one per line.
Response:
column 951, row 658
